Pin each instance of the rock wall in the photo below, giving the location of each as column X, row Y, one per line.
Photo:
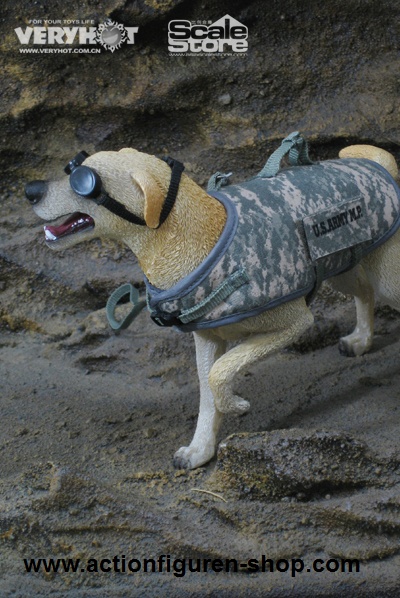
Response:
column 330, row 69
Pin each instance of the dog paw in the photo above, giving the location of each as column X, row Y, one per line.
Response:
column 190, row 457
column 354, row 345
column 234, row 404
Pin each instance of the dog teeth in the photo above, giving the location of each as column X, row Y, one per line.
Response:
column 49, row 235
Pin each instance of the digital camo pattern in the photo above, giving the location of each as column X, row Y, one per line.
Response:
column 302, row 218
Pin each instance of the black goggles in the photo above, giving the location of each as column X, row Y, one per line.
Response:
column 86, row 182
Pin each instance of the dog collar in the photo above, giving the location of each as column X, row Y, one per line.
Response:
column 86, row 182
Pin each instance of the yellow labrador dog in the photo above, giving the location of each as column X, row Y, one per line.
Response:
column 122, row 196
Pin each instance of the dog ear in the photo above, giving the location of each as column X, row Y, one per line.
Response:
column 153, row 197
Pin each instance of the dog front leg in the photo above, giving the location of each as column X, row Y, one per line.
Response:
column 209, row 348
column 298, row 318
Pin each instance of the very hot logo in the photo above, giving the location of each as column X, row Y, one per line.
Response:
column 61, row 35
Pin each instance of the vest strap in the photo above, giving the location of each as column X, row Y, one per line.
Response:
column 218, row 180
column 222, row 292
column 123, row 291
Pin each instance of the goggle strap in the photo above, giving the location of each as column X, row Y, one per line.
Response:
column 177, row 169
column 118, row 209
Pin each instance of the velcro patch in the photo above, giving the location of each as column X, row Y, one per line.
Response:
column 337, row 228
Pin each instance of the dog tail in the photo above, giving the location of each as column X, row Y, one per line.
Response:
column 376, row 154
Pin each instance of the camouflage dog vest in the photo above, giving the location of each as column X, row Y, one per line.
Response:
column 284, row 234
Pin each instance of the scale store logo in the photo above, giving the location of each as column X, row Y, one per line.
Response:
column 62, row 36
column 225, row 37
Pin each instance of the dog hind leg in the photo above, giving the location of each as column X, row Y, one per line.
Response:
column 356, row 283
column 382, row 267
column 209, row 348
column 286, row 325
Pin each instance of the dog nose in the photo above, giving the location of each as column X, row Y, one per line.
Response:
column 35, row 190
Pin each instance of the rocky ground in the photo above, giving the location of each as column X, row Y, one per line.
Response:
column 90, row 420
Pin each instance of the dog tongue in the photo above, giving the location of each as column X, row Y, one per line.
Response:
column 74, row 224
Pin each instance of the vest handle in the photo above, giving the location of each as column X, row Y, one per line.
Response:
column 297, row 149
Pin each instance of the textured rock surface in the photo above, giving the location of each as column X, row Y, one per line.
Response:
column 327, row 68
column 297, row 463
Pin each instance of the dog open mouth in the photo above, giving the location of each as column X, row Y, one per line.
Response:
column 76, row 223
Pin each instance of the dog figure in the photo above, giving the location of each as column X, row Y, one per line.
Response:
column 129, row 190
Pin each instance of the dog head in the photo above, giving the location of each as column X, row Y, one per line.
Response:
column 103, row 195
